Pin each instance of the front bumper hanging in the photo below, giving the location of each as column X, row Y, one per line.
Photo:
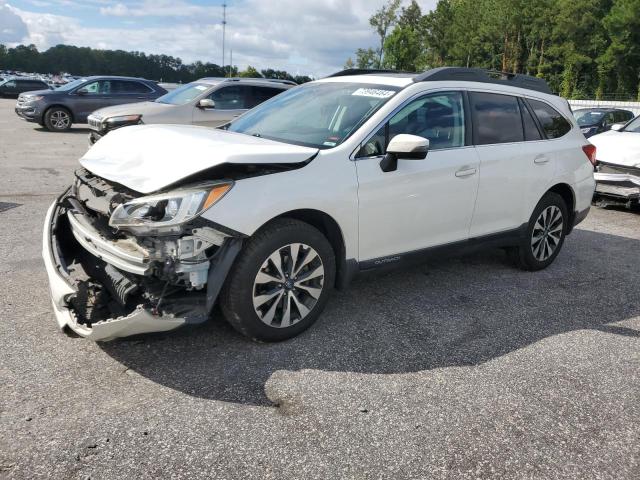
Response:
column 66, row 232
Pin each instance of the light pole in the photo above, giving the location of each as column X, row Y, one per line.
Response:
column 224, row 27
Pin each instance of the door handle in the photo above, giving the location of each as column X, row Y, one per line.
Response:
column 541, row 159
column 466, row 172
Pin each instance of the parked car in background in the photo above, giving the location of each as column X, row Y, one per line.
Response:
column 209, row 101
column 72, row 103
column 618, row 165
column 343, row 175
column 12, row 87
column 597, row 120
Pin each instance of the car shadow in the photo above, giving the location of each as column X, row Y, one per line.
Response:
column 73, row 129
column 450, row 312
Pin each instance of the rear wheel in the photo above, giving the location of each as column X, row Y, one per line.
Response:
column 545, row 234
column 57, row 119
column 280, row 283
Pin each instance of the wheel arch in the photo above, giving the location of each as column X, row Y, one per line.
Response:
column 569, row 197
column 345, row 268
column 60, row 105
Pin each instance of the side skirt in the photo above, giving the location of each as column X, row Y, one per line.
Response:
column 503, row 239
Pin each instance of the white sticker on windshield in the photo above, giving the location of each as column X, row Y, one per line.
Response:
column 373, row 92
column 200, row 87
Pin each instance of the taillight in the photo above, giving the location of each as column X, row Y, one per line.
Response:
column 590, row 151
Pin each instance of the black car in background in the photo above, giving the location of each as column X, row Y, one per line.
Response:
column 72, row 103
column 597, row 120
column 11, row 87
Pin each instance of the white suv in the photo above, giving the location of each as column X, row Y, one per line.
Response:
column 344, row 175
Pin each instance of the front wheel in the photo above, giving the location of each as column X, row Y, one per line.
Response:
column 545, row 234
column 57, row 119
column 280, row 283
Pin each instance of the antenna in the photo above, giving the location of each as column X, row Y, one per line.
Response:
column 224, row 26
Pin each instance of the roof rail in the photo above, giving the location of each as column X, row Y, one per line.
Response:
column 484, row 76
column 362, row 71
column 261, row 79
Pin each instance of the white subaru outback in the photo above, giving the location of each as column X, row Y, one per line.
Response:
column 354, row 172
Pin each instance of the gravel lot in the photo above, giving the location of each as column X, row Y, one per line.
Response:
column 465, row 368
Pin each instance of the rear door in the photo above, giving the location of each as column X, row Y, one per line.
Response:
column 230, row 101
column 127, row 91
column 516, row 164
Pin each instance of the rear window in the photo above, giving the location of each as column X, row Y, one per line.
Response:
column 553, row 123
column 124, row 86
column 496, row 118
column 262, row 94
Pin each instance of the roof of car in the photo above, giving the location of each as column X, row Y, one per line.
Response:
column 271, row 81
column 600, row 109
column 113, row 77
column 447, row 74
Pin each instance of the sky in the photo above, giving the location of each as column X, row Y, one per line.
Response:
column 305, row 37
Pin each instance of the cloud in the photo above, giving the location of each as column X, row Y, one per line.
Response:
column 312, row 37
column 12, row 28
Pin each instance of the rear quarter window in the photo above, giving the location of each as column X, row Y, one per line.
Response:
column 552, row 121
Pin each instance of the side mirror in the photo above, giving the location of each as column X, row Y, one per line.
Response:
column 206, row 103
column 82, row 91
column 617, row 126
column 405, row 147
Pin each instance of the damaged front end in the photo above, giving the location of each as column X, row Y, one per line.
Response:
column 617, row 184
column 109, row 281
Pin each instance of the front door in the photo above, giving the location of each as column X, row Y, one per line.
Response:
column 424, row 203
column 230, row 102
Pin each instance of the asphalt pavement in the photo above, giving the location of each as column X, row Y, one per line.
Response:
column 459, row 368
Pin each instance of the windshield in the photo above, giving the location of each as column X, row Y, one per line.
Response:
column 184, row 94
column 588, row 117
column 633, row 126
column 72, row 85
column 319, row 115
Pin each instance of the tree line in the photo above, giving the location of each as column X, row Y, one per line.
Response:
column 85, row 61
column 583, row 49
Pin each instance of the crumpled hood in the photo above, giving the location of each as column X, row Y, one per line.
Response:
column 147, row 158
column 621, row 148
column 139, row 108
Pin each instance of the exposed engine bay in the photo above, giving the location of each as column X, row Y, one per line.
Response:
column 116, row 272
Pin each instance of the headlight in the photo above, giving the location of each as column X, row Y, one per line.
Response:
column 586, row 130
column 122, row 120
column 167, row 212
column 30, row 99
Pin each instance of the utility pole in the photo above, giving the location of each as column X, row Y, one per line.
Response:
column 231, row 64
column 224, row 26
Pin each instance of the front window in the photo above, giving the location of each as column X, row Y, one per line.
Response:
column 184, row 94
column 319, row 115
column 588, row 117
column 71, row 85
column 437, row 117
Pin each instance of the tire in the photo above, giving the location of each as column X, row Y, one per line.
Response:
column 57, row 119
column 545, row 235
column 260, row 301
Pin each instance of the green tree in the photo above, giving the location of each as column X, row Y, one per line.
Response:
column 367, row 58
column 250, row 72
column 382, row 20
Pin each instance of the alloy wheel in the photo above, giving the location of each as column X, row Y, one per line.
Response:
column 60, row 119
column 288, row 285
column 547, row 233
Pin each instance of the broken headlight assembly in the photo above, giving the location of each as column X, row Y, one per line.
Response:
column 165, row 213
